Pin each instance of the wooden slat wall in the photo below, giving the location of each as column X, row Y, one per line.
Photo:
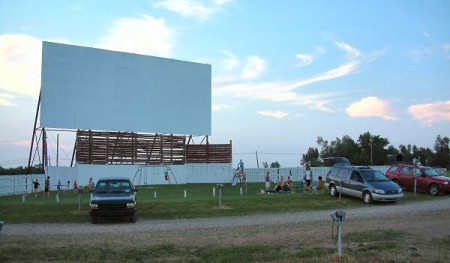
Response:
column 93, row 147
column 208, row 153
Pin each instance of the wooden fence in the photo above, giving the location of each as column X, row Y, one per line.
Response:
column 94, row 147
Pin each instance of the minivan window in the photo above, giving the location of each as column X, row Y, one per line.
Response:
column 356, row 176
column 374, row 176
column 343, row 172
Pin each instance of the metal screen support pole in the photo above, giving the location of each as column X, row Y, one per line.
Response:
column 340, row 239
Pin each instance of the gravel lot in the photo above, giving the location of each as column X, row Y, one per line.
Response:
column 422, row 224
column 371, row 212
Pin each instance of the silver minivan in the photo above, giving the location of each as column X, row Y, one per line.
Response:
column 360, row 182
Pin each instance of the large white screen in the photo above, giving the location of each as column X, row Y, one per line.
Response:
column 88, row 88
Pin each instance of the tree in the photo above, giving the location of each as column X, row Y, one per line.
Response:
column 406, row 151
column 312, row 157
column 37, row 169
column 347, row 147
column 442, row 152
column 373, row 150
column 275, row 165
column 425, row 155
column 325, row 150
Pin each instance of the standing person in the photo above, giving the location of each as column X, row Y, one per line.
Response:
column 68, row 185
column 36, row 187
column 267, row 180
column 75, row 186
column 91, row 184
column 241, row 166
column 58, row 186
column 47, row 186
column 308, row 177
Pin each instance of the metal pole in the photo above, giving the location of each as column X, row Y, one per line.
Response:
column 257, row 161
column 340, row 239
column 220, row 197
column 57, row 150
column 415, row 185
column 32, row 141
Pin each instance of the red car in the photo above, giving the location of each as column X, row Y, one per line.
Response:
column 428, row 179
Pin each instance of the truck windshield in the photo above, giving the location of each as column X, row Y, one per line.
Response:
column 113, row 186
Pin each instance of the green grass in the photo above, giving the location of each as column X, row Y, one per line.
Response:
column 171, row 204
column 359, row 246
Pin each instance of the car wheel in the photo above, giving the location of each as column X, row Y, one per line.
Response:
column 434, row 189
column 367, row 198
column 333, row 190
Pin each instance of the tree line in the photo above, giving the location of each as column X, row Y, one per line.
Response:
column 371, row 149
column 37, row 169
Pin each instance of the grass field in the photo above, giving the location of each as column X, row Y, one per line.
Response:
column 385, row 243
column 170, row 203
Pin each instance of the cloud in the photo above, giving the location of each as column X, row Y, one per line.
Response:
column 431, row 113
column 274, row 114
column 420, row 53
column 247, row 85
column 304, row 59
column 192, row 8
column 5, row 100
column 18, row 142
column 20, row 65
column 255, row 67
column 349, row 67
column 446, row 49
column 231, row 62
column 371, row 107
column 352, row 53
column 220, row 107
column 145, row 35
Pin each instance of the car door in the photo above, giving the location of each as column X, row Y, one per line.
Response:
column 344, row 175
column 406, row 177
column 355, row 184
column 422, row 182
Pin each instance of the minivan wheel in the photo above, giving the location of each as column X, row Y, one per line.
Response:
column 367, row 198
column 434, row 189
column 333, row 190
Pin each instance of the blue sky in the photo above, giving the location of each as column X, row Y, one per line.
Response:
column 283, row 72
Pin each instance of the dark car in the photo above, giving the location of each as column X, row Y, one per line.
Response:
column 113, row 198
column 360, row 182
column 425, row 179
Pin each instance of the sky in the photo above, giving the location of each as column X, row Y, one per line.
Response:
column 283, row 72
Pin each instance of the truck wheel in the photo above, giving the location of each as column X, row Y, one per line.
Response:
column 367, row 198
column 433, row 189
column 93, row 220
column 132, row 219
column 333, row 190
